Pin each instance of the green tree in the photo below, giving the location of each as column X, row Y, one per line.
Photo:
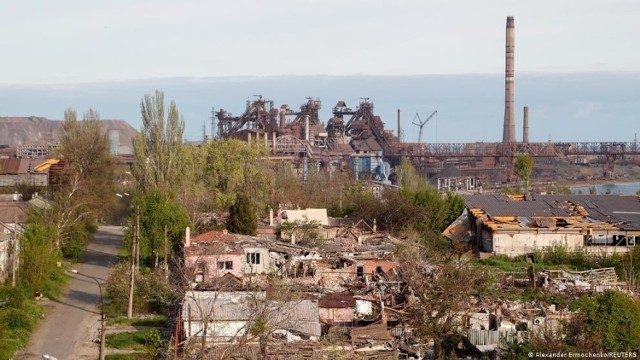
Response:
column 324, row 188
column 611, row 321
column 408, row 177
column 38, row 259
column 234, row 167
column 242, row 217
column 157, row 146
column 193, row 195
column 524, row 167
column 158, row 210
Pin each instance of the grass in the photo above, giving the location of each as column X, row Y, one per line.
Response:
column 18, row 317
column 155, row 321
column 146, row 340
column 124, row 254
column 505, row 264
column 556, row 258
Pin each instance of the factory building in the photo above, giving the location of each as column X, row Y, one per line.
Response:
column 519, row 225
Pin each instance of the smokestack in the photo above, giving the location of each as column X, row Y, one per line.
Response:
column 187, row 236
column 509, row 131
column 525, row 125
column 283, row 120
column 399, row 128
column 306, row 127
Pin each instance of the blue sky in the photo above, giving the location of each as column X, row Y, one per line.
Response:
column 562, row 107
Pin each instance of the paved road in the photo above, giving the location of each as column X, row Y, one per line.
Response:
column 72, row 322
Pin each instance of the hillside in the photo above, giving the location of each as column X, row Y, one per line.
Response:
column 16, row 131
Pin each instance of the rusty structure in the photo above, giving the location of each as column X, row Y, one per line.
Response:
column 357, row 137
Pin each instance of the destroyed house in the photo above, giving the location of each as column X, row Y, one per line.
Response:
column 364, row 256
column 518, row 225
column 213, row 254
column 230, row 315
column 337, row 308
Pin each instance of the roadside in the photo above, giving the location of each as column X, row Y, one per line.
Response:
column 72, row 323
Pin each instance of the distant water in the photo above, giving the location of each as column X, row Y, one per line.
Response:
column 618, row 188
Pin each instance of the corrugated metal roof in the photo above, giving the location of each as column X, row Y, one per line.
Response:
column 337, row 301
column 299, row 315
column 621, row 210
column 12, row 212
column 24, row 166
column 10, row 166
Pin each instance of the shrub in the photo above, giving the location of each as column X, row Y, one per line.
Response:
column 152, row 293
column 611, row 320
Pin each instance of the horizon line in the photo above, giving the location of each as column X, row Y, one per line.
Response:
column 310, row 76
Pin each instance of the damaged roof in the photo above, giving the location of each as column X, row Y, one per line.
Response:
column 586, row 210
column 220, row 242
column 339, row 300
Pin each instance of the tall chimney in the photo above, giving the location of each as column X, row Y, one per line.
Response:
column 283, row 119
column 525, row 125
column 306, row 127
column 509, row 131
column 399, row 128
column 187, row 236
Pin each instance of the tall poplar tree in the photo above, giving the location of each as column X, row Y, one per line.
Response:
column 157, row 146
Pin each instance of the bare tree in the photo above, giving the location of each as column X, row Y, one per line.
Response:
column 263, row 312
column 281, row 310
column 438, row 291
column 87, row 189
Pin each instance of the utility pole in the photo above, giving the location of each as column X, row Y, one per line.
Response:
column 137, row 238
column 134, row 240
column 103, row 315
column 14, row 267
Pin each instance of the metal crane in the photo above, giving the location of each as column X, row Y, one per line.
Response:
column 421, row 123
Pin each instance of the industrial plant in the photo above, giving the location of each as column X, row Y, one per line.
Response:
column 358, row 137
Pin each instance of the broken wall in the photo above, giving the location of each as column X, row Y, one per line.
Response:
column 526, row 243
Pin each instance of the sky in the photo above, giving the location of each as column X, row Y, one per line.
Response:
column 79, row 41
column 577, row 65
